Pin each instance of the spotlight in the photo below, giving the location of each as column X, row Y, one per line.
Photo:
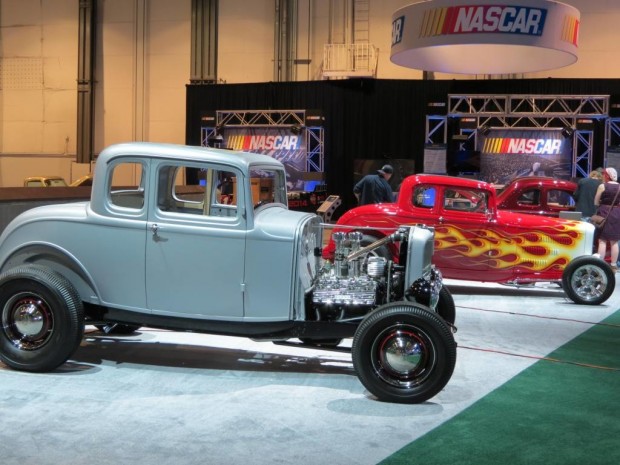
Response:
column 568, row 132
column 296, row 129
column 216, row 139
column 484, row 129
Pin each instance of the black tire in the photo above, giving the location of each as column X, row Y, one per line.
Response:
column 404, row 352
column 42, row 319
column 445, row 305
column 118, row 328
column 588, row 280
column 382, row 251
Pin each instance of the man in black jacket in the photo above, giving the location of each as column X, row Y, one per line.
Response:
column 374, row 188
column 584, row 195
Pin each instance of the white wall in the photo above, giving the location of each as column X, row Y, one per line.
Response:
column 246, row 41
column 38, row 96
column 143, row 66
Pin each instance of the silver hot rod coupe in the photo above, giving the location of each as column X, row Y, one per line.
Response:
column 201, row 240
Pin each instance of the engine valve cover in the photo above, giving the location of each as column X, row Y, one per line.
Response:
column 353, row 291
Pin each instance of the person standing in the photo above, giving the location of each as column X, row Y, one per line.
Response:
column 585, row 193
column 604, row 199
column 374, row 188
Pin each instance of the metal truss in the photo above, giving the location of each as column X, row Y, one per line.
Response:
column 524, row 106
column 612, row 142
column 582, row 154
column 315, row 140
column 612, row 133
column 315, row 147
column 526, row 112
column 436, row 129
column 257, row 118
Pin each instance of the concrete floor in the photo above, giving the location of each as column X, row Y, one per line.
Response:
column 160, row 397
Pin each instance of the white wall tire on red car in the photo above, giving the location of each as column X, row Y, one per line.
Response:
column 588, row 280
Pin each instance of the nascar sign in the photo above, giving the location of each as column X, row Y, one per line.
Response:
column 264, row 143
column 279, row 143
column 485, row 36
column 505, row 19
column 509, row 153
column 513, row 145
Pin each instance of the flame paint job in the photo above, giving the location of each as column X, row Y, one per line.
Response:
column 485, row 244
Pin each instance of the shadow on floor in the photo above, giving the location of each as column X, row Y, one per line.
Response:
column 96, row 348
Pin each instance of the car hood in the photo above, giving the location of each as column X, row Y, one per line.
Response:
column 280, row 223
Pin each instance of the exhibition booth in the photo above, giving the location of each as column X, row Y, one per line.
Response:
column 489, row 130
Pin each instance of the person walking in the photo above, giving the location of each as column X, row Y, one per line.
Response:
column 607, row 200
column 585, row 193
column 374, row 188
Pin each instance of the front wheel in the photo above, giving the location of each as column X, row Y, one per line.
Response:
column 588, row 280
column 403, row 352
column 445, row 305
column 42, row 319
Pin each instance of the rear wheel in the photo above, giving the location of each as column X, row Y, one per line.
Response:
column 588, row 280
column 403, row 352
column 42, row 319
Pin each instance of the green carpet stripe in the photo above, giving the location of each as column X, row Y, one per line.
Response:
column 551, row 413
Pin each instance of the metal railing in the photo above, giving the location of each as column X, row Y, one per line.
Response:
column 349, row 60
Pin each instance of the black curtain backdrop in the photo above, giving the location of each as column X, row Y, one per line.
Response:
column 372, row 119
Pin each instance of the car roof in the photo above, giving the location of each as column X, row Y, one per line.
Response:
column 444, row 180
column 185, row 152
column 538, row 179
column 543, row 180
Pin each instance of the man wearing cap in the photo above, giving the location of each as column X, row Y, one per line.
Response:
column 374, row 188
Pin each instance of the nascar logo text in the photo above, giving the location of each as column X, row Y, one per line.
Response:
column 522, row 145
column 484, row 19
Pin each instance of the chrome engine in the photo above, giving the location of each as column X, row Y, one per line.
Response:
column 350, row 282
column 359, row 278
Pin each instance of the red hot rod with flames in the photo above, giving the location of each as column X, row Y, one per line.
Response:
column 475, row 240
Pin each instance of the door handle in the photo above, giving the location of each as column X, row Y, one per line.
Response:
column 155, row 229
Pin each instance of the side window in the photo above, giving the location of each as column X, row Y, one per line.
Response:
column 214, row 195
column 529, row 197
column 467, row 200
column 559, row 198
column 127, row 185
column 424, row 196
column 267, row 186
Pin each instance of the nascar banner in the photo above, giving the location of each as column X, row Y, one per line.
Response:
column 279, row 143
column 485, row 36
column 509, row 153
